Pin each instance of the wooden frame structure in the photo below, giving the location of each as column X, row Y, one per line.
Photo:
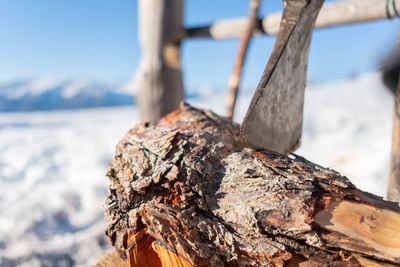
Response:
column 332, row 14
column 161, row 31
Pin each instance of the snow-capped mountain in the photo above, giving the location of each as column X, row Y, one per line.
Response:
column 48, row 94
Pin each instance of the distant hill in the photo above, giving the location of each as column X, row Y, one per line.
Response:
column 32, row 95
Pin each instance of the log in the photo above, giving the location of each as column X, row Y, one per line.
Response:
column 332, row 14
column 190, row 192
column 159, row 77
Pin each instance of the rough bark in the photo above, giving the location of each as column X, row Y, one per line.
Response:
column 190, row 191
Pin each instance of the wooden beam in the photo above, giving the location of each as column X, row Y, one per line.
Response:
column 159, row 77
column 352, row 223
column 332, row 14
column 393, row 193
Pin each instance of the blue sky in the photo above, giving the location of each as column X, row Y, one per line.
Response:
column 97, row 39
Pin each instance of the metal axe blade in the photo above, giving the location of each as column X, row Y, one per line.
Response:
column 275, row 116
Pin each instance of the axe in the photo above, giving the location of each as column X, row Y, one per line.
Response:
column 274, row 118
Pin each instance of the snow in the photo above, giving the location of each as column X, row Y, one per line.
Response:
column 50, row 94
column 35, row 87
column 74, row 88
column 53, row 184
column 53, row 165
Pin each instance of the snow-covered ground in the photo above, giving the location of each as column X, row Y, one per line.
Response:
column 53, row 164
column 53, row 184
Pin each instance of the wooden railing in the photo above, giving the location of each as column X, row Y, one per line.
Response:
column 332, row 14
column 161, row 31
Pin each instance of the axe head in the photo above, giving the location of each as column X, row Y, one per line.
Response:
column 275, row 116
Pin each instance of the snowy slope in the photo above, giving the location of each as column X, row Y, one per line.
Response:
column 53, row 184
column 53, row 164
column 48, row 94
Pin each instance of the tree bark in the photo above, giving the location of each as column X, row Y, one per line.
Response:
column 190, row 192
column 159, row 78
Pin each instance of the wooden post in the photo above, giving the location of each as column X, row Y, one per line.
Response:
column 394, row 179
column 234, row 80
column 159, row 77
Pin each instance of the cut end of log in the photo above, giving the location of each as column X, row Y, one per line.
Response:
column 190, row 192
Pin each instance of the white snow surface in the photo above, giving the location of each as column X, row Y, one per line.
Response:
column 53, row 165
column 53, row 184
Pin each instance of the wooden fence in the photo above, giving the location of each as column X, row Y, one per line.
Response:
column 161, row 32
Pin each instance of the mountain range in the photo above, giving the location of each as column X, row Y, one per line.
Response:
column 48, row 94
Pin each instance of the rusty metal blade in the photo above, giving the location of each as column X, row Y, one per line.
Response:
column 275, row 117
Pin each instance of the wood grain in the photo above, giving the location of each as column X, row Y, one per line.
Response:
column 378, row 229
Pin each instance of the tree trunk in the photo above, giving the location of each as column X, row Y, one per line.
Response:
column 159, row 78
column 190, row 192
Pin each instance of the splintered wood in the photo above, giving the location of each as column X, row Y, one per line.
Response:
column 191, row 192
